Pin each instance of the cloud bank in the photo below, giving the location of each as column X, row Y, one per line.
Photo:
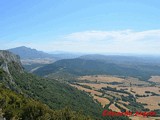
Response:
column 122, row 41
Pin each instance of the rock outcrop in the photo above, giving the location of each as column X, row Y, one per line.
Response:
column 7, row 58
column 10, row 65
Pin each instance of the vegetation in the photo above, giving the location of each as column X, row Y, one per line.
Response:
column 15, row 106
column 157, row 111
column 57, row 95
column 152, row 93
column 122, row 109
column 28, row 68
column 84, row 86
column 115, row 90
column 133, row 105
column 94, row 67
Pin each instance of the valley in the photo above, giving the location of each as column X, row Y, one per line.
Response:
column 117, row 83
column 121, row 94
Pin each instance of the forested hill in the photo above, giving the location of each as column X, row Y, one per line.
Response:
column 17, row 107
column 81, row 66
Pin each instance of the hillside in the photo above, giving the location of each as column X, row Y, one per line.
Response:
column 53, row 93
column 16, row 106
column 82, row 67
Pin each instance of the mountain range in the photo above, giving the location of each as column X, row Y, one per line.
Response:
column 29, row 53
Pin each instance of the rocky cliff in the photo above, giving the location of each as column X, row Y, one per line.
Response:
column 7, row 58
column 9, row 65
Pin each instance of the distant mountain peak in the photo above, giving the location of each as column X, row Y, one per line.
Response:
column 29, row 53
column 24, row 48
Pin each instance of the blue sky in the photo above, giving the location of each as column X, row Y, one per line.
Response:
column 100, row 26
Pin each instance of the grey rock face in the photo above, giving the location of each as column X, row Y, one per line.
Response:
column 7, row 57
column 10, row 64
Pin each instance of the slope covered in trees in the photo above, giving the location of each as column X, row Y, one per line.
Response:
column 15, row 106
column 92, row 67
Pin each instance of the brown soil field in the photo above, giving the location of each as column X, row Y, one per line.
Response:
column 116, row 94
column 108, row 96
column 123, row 107
column 123, row 102
column 101, row 78
column 155, row 79
column 141, row 90
column 98, row 86
column 120, row 94
column 135, row 81
column 152, row 102
column 103, row 101
column 114, row 108
column 144, row 118
column 93, row 92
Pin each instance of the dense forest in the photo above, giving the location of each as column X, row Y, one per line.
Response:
column 16, row 106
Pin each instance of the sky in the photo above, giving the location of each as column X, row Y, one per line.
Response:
column 91, row 26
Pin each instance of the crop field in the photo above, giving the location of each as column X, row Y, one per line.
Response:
column 117, row 92
column 103, row 101
column 155, row 79
column 151, row 101
column 101, row 78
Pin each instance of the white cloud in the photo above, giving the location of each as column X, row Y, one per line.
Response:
column 125, row 35
column 124, row 41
